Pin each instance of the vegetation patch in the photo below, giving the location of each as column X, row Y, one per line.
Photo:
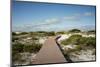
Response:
column 75, row 31
column 21, row 48
column 79, row 40
column 72, row 40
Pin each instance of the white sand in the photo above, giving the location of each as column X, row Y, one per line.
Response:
column 42, row 40
column 84, row 55
column 63, row 37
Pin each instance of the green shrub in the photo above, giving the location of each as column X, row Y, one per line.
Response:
column 75, row 30
column 72, row 40
column 91, row 31
column 80, row 41
column 14, row 38
column 23, row 33
column 91, row 41
column 16, row 57
column 50, row 33
column 61, row 32
column 32, row 48
column 13, row 33
column 88, row 41
column 34, row 38
column 79, row 47
column 19, row 48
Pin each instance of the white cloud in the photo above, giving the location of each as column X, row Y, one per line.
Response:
column 47, row 22
column 43, row 23
column 70, row 17
column 88, row 14
column 38, row 26
column 78, row 16
column 53, row 20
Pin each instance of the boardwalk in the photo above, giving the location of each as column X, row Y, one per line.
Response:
column 49, row 53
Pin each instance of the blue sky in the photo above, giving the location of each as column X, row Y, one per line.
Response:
column 35, row 16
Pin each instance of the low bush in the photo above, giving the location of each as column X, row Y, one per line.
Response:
column 19, row 48
column 72, row 40
column 75, row 31
column 79, row 40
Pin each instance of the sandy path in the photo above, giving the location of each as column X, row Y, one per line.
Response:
column 49, row 53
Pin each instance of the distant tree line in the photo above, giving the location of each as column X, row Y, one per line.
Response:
column 75, row 30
